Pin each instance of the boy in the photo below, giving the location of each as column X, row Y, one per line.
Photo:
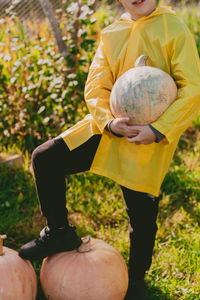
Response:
column 137, row 157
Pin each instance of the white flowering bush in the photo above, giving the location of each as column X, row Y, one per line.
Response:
column 38, row 97
column 41, row 92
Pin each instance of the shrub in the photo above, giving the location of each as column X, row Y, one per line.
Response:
column 41, row 93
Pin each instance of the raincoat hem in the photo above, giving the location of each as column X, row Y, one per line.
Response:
column 68, row 143
column 131, row 185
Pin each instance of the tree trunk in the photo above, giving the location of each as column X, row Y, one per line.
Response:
column 50, row 14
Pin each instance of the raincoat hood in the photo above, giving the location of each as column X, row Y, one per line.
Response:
column 158, row 11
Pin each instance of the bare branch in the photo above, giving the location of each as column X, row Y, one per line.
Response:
column 49, row 13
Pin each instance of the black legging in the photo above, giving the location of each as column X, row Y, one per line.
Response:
column 53, row 160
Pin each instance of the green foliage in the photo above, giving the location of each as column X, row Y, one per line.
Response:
column 17, row 203
column 190, row 14
column 38, row 92
column 37, row 96
column 17, row 183
column 41, row 93
column 183, row 2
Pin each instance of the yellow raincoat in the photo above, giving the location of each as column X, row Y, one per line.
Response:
column 170, row 46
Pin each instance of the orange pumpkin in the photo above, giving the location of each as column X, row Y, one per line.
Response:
column 142, row 93
column 95, row 272
column 17, row 277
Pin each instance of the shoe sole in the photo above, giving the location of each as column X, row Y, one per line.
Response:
column 31, row 258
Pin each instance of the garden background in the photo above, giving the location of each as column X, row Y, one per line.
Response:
column 41, row 94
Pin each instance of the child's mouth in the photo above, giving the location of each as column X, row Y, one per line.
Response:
column 138, row 3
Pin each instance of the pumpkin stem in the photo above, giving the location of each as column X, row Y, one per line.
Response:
column 2, row 237
column 86, row 243
column 141, row 61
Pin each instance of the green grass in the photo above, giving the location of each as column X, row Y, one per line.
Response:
column 96, row 207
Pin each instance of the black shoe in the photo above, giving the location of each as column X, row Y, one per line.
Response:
column 136, row 291
column 51, row 241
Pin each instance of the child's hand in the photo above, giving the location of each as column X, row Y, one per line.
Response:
column 145, row 135
column 123, row 126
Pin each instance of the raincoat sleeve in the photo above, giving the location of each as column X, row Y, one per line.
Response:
column 185, row 69
column 98, row 88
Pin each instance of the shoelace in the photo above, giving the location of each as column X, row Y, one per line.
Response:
column 44, row 237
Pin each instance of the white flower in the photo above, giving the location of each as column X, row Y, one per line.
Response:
column 81, row 31
column 17, row 63
column 38, row 47
column 61, row 59
column 13, row 49
column 15, row 2
column 7, row 57
column 24, row 89
column 71, row 76
column 2, row 21
column 73, row 83
column 56, row 82
column 47, row 61
column 6, row 133
column 53, row 96
column 42, row 108
column 58, row 10
column 31, row 86
column 91, row 2
column 30, row 77
column 85, row 12
column 73, row 8
column 46, row 120
column 15, row 39
column 40, row 62
column 64, row 93
column 13, row 79
column 9, row 9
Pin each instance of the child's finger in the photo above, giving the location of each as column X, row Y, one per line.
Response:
column 135, row 140
column 132, row 130
column 124, row 120
column 131, row 135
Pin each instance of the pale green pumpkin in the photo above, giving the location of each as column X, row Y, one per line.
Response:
column 142, row 93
